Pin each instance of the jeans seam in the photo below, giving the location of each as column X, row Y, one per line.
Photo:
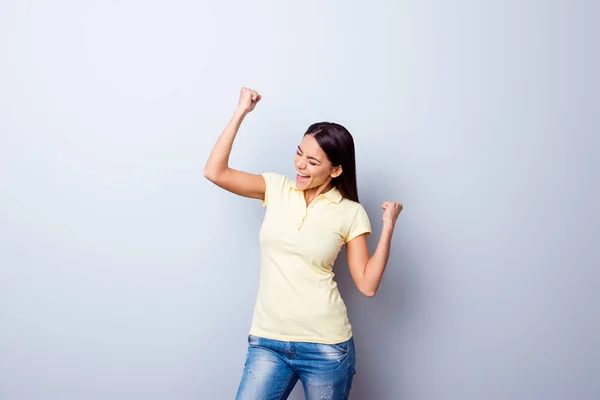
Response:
column 348, row 378
column 341, row 349
column 286, row 386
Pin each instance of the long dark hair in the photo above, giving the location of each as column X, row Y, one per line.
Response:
column 338, row 145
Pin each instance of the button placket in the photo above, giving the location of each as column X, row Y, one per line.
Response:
column 302, row 220
column 311, row 205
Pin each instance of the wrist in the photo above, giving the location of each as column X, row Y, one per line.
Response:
column 388, row 225
column 241, row 112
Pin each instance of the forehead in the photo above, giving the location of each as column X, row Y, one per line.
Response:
column 310, row 146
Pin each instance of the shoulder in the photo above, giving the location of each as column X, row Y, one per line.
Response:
column 357, row 221
column 274, row 179
column 276, row 185
column 352, row 208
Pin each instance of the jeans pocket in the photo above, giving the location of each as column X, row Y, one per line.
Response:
column 343, row 347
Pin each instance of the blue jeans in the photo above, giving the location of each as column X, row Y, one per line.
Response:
column 273, row 367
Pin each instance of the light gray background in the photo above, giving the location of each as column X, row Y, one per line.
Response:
column 124, row 274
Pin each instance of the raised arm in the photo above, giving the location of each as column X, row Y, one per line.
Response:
column 367, row 271
column 217, row 168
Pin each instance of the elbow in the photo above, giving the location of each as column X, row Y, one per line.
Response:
column 368, row 292
column 210, row 174
column 214, row 173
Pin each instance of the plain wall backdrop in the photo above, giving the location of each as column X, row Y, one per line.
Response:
column 124, row 274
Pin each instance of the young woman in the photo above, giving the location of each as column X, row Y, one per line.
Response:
column 300, row 329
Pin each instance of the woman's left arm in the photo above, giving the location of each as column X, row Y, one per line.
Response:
column 367, row 271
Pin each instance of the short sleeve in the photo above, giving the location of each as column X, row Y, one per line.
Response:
column 360, row 224
column 274, row 184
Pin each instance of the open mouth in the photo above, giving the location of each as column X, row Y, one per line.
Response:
column 301, row 177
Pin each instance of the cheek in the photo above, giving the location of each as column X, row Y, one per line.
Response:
column 319, row 173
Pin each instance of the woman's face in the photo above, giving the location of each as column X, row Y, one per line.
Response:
column 313, row 168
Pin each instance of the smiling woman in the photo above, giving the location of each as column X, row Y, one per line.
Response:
column 300, row 328
column 329, row 153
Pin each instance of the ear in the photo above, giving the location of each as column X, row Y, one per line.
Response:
column 337, row 171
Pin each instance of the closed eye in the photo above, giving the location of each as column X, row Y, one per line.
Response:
column 314, row 163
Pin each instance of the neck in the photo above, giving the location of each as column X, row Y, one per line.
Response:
column 311, row 194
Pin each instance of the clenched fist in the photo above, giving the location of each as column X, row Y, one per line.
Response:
column 248, row 99
column 391, row 211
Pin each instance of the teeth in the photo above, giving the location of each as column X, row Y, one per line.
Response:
column 305, row 176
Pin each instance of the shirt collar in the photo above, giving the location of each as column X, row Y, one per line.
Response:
column 332, row 195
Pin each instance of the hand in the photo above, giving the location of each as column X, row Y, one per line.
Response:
column 248, row 99
column 391, row 211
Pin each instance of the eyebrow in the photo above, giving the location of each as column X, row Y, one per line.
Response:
column 312, row 158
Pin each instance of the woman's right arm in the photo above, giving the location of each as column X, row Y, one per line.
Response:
column 217, row 168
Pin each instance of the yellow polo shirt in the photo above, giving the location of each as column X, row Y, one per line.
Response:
column 298, row 300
